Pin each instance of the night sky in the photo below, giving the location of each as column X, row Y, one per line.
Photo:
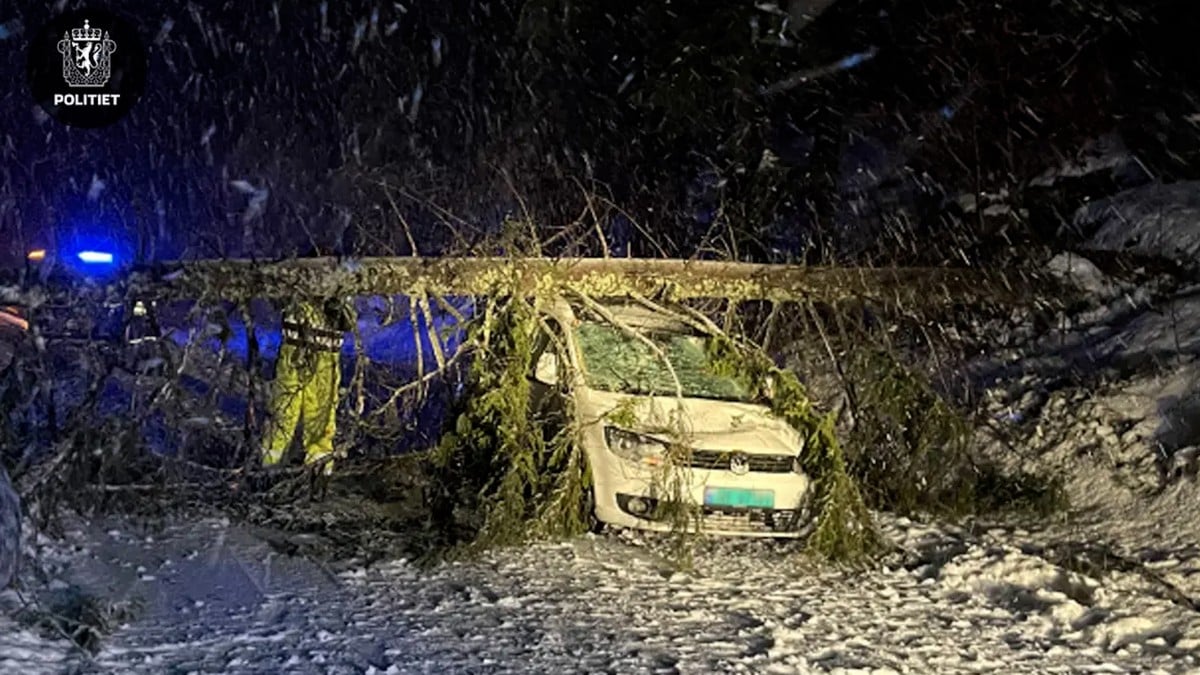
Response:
column 267, row 125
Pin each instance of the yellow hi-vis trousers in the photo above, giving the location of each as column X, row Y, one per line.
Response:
column 305, row 394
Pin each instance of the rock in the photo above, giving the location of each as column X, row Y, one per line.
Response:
column 1153, row 220
column 10, row 530
column 1083, row 274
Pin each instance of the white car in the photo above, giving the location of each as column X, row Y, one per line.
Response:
column 742, row 467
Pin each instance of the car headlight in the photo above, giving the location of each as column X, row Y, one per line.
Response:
column 631, row 446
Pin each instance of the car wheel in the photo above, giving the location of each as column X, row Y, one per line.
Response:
column 594, row 524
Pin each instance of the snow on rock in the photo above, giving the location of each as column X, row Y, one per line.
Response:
column 1155, row 219
column 1108, row 153
column 1120, row 437
column 1112, row 404
column 1109, row 400
column 1083, row 274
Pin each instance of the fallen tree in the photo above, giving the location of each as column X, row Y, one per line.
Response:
column 516, row 479
column 597, row 277
column 504, row 477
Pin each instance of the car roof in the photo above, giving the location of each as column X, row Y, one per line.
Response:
column 638, row 316
column 631, row 314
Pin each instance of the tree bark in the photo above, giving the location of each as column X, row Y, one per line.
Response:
column 597, row 277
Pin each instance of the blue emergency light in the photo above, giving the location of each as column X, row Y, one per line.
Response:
column 96, row 257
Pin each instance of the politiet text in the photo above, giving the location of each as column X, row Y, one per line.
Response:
column 87, row 99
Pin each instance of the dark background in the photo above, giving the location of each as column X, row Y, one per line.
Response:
column 673, row 111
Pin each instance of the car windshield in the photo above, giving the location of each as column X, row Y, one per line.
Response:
column 618, row 362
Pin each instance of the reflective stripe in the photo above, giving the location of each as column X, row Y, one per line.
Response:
column 307, row 325
column 311, row 330
column 312, row 337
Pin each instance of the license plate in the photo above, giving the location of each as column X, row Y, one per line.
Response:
column 762, row 499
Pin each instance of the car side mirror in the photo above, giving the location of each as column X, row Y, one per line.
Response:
column 546, row 370
column 768, row 387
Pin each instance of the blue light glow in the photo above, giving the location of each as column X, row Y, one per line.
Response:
column 96, row 257
column 855, row 60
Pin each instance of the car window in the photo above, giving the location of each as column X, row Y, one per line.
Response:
column 618, row 362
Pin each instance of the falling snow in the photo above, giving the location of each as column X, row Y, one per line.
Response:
column 812, row 131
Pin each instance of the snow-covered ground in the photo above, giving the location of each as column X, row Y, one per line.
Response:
column 217, row 598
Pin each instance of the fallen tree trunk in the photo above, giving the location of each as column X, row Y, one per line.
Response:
column 596, row 277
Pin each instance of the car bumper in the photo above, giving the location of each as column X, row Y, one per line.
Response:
column 627, row 495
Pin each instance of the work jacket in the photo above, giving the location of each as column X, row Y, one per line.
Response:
column 317, row 327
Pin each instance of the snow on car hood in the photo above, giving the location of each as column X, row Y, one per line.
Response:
column 710, row 424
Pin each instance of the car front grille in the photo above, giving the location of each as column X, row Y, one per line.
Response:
column 749, row 521
column 720, row 519
column 718, row 460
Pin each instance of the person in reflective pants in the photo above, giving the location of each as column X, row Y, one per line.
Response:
column 305, row 390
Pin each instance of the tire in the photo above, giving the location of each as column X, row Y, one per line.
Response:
column 594, row 524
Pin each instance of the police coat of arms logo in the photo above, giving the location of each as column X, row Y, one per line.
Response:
column 86, row 56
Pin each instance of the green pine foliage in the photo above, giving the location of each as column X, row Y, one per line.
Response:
column 910, row 449
column 499, row 477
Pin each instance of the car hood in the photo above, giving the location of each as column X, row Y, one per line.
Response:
column 708, row 424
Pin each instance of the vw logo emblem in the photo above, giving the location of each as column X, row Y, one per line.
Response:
column 739, row 464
